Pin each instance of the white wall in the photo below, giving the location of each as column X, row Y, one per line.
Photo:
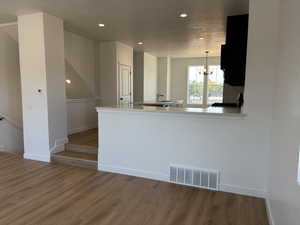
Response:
column 179, row 72
column 55, row 78
column 81, row 60
column 124, row 54
column 108, row 80
column 138, row 77
column 81, row 68
column 41, row 46
column 231, row 93
column 82, row 115
column 32, row 67
column 150, row 77
column 284, row 192
column 111, row 55
column 238, row 148
column 11, row 136
column 148, row 143
column 162, row 76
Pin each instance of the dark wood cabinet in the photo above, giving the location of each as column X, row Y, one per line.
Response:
column 234, row 52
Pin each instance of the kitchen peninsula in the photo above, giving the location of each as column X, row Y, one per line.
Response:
column 144, row 141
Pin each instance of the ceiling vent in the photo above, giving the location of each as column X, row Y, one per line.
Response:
column 202, row 178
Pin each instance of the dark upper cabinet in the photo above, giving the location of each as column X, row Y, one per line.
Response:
column 234, row 52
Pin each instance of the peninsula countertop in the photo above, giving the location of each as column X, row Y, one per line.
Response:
column 209, row 111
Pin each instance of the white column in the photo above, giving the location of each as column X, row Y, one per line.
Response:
column 205, row 88
column 168, row 78
column 41, row 44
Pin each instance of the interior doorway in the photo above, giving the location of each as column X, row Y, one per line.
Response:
column 125, row 85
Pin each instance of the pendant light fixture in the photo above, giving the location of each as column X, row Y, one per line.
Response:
column 206, row 69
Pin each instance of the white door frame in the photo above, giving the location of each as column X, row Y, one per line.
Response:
column 187, row 86
column 119, row 80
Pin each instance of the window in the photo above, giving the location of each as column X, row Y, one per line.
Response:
column 215, row 85
column 195, row 85
column 205, row 90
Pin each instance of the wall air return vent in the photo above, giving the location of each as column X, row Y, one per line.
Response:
column 202, row 178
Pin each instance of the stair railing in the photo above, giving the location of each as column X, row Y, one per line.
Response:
column 10, row 121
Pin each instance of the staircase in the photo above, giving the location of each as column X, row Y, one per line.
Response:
column 77, row 155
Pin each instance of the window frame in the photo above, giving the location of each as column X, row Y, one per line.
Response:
column 187, row 88
column 205, row 81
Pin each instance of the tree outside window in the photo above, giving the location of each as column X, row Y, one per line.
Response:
column 196, row 84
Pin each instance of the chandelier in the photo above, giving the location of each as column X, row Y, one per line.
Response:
column 206, row 70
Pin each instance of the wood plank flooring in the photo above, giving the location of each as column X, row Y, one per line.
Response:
column 85, row 160
column 88, row 138
column 36, row 193
column 79, row 155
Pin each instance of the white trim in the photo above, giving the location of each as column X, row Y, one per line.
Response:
column 83, row 100
column 165, row 177
column 42, row 158
column 81, row 129
column 269, row 212
column 133, row 172
column 187, row 85
column 59, row 145
column 259, row 193
column 8, row 24
column 119, row 81
column 9, row 150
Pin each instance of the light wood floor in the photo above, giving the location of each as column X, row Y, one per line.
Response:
column 79, row 155
column 35, row 193
column 88, row 138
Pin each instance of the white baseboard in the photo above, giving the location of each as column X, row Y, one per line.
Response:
column 81, row 129
column 243, row 190
column 269, row 212
column 8, row 150
column 133, row 172
column 59, row 145
column 165, row 177
column 42, row 158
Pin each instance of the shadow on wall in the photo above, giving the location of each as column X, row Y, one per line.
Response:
column 11, row 138
column 78, row 88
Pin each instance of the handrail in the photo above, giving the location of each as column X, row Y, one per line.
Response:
column 5, row 117
column 8, row 24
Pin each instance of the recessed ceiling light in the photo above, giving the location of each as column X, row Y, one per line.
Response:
column 101, row 25
column 140, row 43
column 201, row 38
column 183, row 15
column 68, row 81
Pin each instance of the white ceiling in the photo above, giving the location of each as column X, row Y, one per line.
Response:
column 155, row 22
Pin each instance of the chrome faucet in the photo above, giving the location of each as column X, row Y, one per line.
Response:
column 159, row 96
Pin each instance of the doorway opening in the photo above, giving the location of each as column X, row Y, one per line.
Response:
column 125, row 84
